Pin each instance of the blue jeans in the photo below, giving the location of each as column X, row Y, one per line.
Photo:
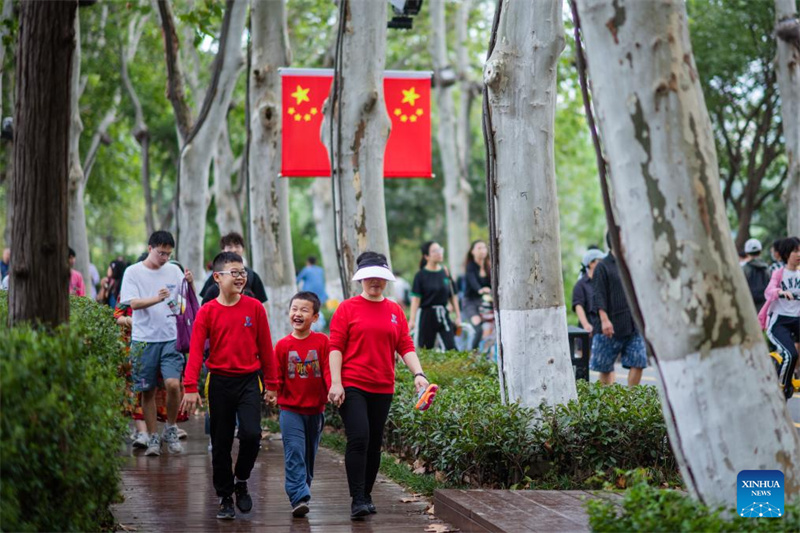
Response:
column 301, row 434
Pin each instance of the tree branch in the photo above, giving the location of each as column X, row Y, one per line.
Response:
column 175, row 88
column 100, row 136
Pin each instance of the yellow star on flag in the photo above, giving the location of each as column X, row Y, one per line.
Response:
column 301, row 95
column 409, row 96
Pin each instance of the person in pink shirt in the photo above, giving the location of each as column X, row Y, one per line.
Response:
column 76, row 285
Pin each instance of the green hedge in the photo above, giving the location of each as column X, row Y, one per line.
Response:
column 61, row 423
column 469, row 437
column 647, row 508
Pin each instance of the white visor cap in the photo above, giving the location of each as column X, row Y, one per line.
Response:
column 374, row 272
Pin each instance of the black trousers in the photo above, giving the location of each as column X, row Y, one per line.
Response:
column 785, row 331
column 433, row 321
column 364, row 415
column 228, row 397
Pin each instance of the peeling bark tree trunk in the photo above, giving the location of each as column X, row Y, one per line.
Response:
column 788, row 70
column 76, row 229
column 365, row 129
column 197, row 153
column 140, row 130
column 456, row 189
column 229, row 215
column 39, row 281
column 722, row 404
column 269, row 194
column 322, row 208
column 520, row 76
column 469, row 89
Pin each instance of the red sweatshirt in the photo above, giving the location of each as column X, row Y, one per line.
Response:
column 239, row 338
column 368, row 334
column 304, row 376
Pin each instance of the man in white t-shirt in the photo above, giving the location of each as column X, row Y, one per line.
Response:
column 152, row 289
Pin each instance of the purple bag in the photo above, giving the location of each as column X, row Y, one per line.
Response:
column 186, row 319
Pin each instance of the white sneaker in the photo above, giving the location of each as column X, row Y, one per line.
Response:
column 140, row 440
column 154, row 445
column 182, row 434
column 171, row 438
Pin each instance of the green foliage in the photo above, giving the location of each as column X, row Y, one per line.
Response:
column 61, row 424
column 647, row 508
column 469, row 437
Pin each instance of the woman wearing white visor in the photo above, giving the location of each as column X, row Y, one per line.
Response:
column 366, row 331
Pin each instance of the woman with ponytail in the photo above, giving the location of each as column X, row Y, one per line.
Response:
column 431, row 291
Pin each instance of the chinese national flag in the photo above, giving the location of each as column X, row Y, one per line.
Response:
column 302, row 151
column 408, row 103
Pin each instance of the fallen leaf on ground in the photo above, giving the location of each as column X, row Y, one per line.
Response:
column 419, row 463
column 419, row 471
column 429, row 510
column 438, row 528
column 440, row 476
column 410, row 500
column 123, row 527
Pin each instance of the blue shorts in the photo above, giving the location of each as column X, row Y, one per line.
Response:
column 150, row 358
column 605, row 352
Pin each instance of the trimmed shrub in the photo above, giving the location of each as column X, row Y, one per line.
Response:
column 468, row 436
column 61, row 425
column 647, row 508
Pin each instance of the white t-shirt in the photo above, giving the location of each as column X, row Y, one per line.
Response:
column 155, row 323
column 789, row 282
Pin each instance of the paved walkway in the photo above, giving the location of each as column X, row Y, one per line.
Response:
column 174, row 493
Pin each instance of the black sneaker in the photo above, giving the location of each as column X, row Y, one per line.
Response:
column 370, row 505
column 243, row 500
column 226, row 511
column 300, row 510
column 358, row 508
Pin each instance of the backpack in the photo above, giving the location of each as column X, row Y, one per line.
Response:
column 757, row 281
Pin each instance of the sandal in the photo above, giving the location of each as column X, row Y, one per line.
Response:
column 426, row 396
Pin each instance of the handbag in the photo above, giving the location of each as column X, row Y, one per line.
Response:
column 185, row 320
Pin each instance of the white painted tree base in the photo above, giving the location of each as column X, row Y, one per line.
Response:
column 711, row 435
column 533, row 379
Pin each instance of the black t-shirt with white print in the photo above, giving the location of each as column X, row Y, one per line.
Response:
column 432, row 287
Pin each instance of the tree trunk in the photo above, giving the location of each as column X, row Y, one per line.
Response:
column 76, row 230
column 456, row 196
column 39, row 284
column 229, row 215
column 724, row 410
column 520, row 75
column 468, row 91
column 197, row 153
column 322, row 208
column 788, row 70
column 140, row 130
column 269, row 194
column 365, row 126
column 6, row 15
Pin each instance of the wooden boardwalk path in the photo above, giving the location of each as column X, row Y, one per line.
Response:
column 175, row 493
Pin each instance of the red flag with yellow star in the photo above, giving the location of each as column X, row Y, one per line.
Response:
column 408, row 103
column 302, row 151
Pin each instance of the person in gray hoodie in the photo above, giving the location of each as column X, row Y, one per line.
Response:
column 756, row 271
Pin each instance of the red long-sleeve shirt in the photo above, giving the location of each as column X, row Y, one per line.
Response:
column 304, row 376
column 239, row 338
column 368, row 334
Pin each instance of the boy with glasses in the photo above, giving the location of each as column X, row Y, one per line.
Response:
column 240, row 346
column 152, row 289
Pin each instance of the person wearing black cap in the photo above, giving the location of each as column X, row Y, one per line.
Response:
column 366, row 331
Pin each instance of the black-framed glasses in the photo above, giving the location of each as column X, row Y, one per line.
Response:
column 234, row 273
